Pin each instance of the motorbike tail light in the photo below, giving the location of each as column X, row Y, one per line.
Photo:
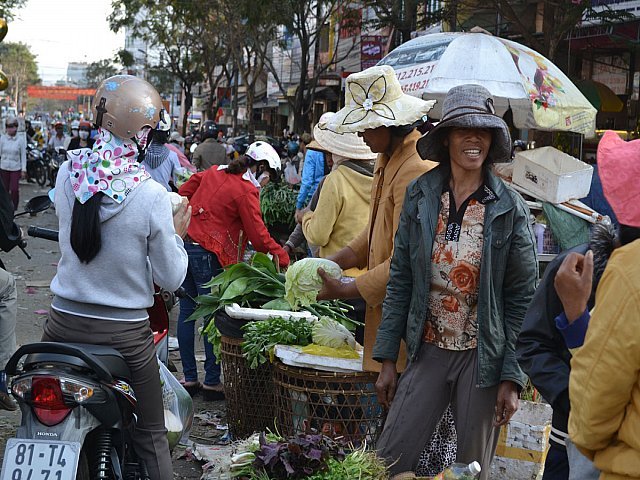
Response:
column 79, row 390
column 21, row 387
column 47, row 400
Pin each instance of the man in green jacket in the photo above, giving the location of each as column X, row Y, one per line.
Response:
column 463, row 273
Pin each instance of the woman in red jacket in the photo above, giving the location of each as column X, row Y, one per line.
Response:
column 225, row 216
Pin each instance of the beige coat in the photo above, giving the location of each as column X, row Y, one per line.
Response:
column 374, row 245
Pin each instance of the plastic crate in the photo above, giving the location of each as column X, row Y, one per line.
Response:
column 552, row 175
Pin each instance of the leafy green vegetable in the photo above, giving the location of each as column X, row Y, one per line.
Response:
column 260, row 338
column 303, row 281
column 329, row 333
column 277, row 304
column 278, row 204
column 357, row 465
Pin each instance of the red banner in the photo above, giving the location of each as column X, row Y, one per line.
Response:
column 59, row 93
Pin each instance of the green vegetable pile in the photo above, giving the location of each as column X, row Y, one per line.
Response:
column 303, row 456
column 258, row 285
column 278, row 204
column 260, row 338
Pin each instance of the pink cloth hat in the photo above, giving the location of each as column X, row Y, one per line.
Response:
column 619, row 168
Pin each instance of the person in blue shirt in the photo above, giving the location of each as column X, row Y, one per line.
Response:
column 313, row 170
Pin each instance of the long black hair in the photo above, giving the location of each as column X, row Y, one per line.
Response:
column 86, row 228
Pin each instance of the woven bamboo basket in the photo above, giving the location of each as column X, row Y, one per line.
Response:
column 248, row 392
column 336, row 404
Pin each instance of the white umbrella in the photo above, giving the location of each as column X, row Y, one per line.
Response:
column 538, row 93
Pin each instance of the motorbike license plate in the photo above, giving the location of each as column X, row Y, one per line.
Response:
column 40, row 460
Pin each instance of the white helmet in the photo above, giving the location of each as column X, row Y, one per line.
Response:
column 263, row 151
column 164, row 125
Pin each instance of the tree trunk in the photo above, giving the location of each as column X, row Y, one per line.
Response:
column 211, row 110
column 188, row 101
column 251, row 93
column 234, row 101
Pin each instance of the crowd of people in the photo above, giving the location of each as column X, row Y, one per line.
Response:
column 438, row 259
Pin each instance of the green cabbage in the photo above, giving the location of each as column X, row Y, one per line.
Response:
column 329, row 333
column 302, row 282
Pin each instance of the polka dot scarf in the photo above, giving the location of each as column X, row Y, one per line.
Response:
column 110, row 167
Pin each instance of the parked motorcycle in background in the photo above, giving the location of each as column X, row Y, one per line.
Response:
column 57, row 158
column 37, row 165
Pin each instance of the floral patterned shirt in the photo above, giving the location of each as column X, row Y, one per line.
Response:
column 456, row 257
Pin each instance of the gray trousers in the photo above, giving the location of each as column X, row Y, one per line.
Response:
column 134, row 341
column 8, row 313
column 436, row 378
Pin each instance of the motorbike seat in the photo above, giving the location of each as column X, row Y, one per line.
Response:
column 113, row 360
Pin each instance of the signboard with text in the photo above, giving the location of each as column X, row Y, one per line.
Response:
column 371, row 50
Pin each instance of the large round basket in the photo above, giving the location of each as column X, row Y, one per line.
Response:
column 336, row 404
column 248, row 392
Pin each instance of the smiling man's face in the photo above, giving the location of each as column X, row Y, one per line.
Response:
column 469, row 147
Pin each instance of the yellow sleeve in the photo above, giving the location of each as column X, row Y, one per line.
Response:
column 317, row 226
column 605, row 370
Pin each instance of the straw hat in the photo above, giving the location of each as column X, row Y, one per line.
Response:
column 374, row 98
column 619, row 169
column 467, row 106
column 348, row 145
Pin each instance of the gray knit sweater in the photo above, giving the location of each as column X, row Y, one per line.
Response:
column 139, row 248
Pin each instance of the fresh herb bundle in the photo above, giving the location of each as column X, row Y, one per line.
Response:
column 278, row 204
column 260, row 338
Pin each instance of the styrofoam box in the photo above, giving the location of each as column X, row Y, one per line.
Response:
column 552, row 175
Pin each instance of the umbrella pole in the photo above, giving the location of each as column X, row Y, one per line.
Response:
column 581, row 139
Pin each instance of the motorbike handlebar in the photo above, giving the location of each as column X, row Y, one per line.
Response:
column 45, row 233
column 62, row 349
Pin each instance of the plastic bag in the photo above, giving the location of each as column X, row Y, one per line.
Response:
column 178, row 408
column 291, row 174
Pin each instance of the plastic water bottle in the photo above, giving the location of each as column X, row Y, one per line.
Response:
column 462, row 471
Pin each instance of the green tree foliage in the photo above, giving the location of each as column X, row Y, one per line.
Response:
column 303, row 26
column 19, row 65
column 168, row 27
column 406, row 16
column 8, row 8
column 98, row 71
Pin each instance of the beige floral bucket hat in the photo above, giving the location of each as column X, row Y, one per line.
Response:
column 374, row 98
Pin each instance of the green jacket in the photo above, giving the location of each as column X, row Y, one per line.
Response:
column 508, row 275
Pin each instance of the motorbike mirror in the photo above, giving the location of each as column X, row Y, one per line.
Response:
column 36, row 205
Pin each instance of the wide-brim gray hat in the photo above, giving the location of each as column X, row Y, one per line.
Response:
column 467, row 106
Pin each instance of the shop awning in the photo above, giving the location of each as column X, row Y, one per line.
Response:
column 622, row 35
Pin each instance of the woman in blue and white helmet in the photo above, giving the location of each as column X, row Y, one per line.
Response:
column 264, row 162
